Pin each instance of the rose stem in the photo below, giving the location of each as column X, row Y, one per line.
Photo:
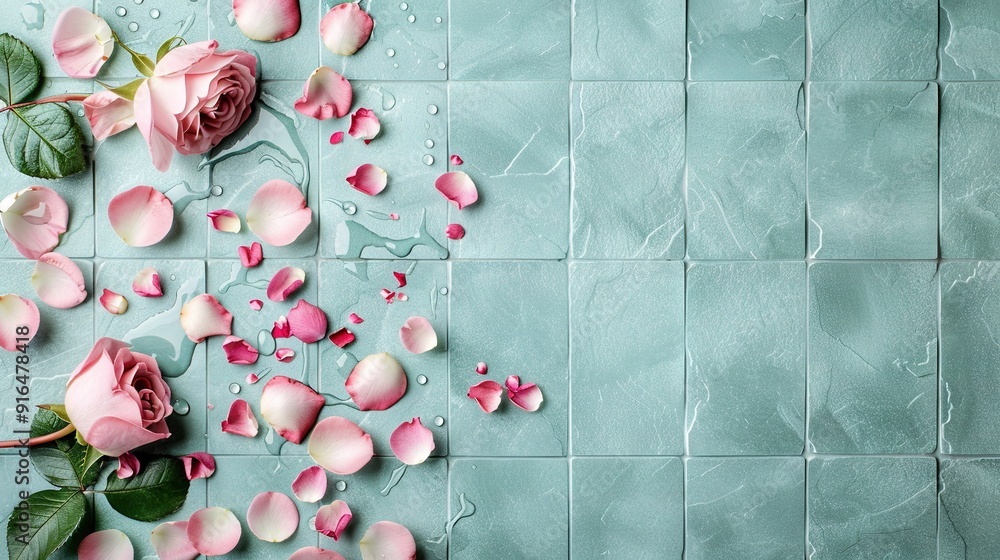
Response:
column 69, row 429
column 61, row 98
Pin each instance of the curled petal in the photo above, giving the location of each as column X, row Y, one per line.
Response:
column 267, row 20
column 34, row 218
column 342, row 337
column 364, row 125
column 278, row 213
column 418, row 336
column 377, row 382
column 256, row 304
column 170, row 541
column 272, row 516
column 81, row 42
column 285, row 282
column 284, row 355
column 198, row 465
column 116, row 304
column 250, row 256
column 456, row 160
column 239, row 351
column 402, row 297
column 368, row 178
column 458, row 188
column 281, row 328
column 340, row 446
column 141, row 216
column 487, row 395
column 58, row 281
column 527, row 397
column 310, row 485
column 213, row 531
column 16, row 311
column 147, row 283
column 307, row 322
column 386, row 540
column 345, row 29
column 241, row 420
column 203, row 316
column 454, row 231
column 110, row 544
column 337, row 137
column 411, row 442
column 314, row 553
column 355, row 318
column 400, row 278
column 108, row 114
column 332, row 519
column 225, row 220
column 326, row 94
column 128, row 465
column 482, row 368
column 290, row 407
column 252, row 378
column 388, row 295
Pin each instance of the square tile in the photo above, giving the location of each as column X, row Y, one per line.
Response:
column 874, row 39
column 513, row 317
column 746, row 171
column 542, row 528
column 33, row 22
column 628, row 170
column 746, row 358
column 969, row 38
column 969, row 509
column 740, row 504
column 144, row 27
column 641, row 40
column 514, row 139
column 747, row 40
column 640, row 410
column 293, row 58
column 873, row 357
column 873, row 508
column 873, row 176
column 627, row 508
column 514, row 40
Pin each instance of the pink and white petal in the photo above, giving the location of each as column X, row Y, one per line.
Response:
column 34, row 218
column 278, row 213
column 368, row 178
column 333, row 518
column 198, row 465
column 454, row 231
column 377, row 382
column 345, row 29
column 456, row 160
column 402, row 297
column 386, row 540
column 252, row 378
column 290, row 407
column 170, row 541
column 400, row 278
column 108, row 114
column 315, row 553
column 393, row 216
column 250, row 256
column 388, row 295
column 16, row 311
column 109, row 544
column 512, row 382
column 272, row 517
column 307, row 322
column 482, row 368
column 128, row 465
column 364, row 125
column 147, row 283
column 340, row 446
column 526, row 397
column 239, row 351
column 58, row 281
column 337, row 137
column 412, row 442
column 285, row 282
column 342, row 337
column 310, row 485
column 281, row 328
column 241, row 420
column 284, row 355
column 326, row 95
column 81, row 42
column 116, row 304
column 141, row 216
column 267, row 20
column 203, row 316
column 355, row 318
column 418, row 336
column 458, row 188
column 256, row 304
column 225, row 220
column 213, row 531
column 487, row 395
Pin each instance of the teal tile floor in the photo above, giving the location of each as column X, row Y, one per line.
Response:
column 749, row 249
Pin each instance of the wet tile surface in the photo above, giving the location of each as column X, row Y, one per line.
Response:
column 641, row 40
column 968, row 506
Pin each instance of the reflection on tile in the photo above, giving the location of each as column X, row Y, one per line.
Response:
column 969, row 509
column 642, row 40
column 291, row 59
column 145, row 26
column 969, row 38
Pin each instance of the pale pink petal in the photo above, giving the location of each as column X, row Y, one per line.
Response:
column 198, row 465
column 326, row 94
column 278, row 213
column 454, row 231
column 214, row 531
column 281, row 328
column 285, row 282
column 481, row 368
column 225, row 220
column 368, row 178
column 411, row 442
column 141, row 216
column 272, row 516
column 337, row 137
column 355, row 318
column 109, row 544
column 239, row 351
column 116, row 304
column 377, row 382
column 203, row 316
column 307, row 322
column 388, row 295
column 487, row 395
column 284, row 355
column 58, row 281
column 456, row 160
column 310, row 485
column 401, row 278
column 15, row 312
column 147, row 283
column 241, row 420
column 34, row 218
column 128, row 465
column 393, row 216
column 314, row 553
column 345, row 29
column 364, row 125
column 108, row 114
column 256, row 304
column 81, row 42
column 458, row 188
column 290, row 407
column 527, row 397
column 418, row 336
column 342, row 337
column 267, row 20
column 401, row 296
column 250, row 256
column 340, row 446
column 332, row 519
column 386, row 540
column 170, row 541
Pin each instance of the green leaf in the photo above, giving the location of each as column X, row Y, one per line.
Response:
column 46, row 422
column 54, row 516
column 168, row 45
column 157, row 491
column 64, row 462
column 126, row 91
column 143, row 64
column 58, row 409
column 19, row 70
column 55, row 466
column 44, row 141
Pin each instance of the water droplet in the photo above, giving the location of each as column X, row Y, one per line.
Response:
column 404, row 6
column 234, row 388
column 412, row 18
column 474, row 467
column 388, row 100
column 442, row 66
column 428, row 159
column 133, row 26
column 350, row 209
column 216, row 190
column 429, row 143
column 33, row 15
column 432, row 109
column 154, row 13
column 341, row 485
column 181, row 407
column 438, row 19
column 121, row 11
column 80, row 113
column 422, row 379
column 390, row 52
column 312, row 523
column 138, row 1
column 231, row 18
column 444, row 291
column 173, row 277
column 438, row 421
column 395, row 65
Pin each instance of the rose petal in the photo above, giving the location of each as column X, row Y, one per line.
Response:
column 250, row 256
column 401, row 278
column 340, row 446
column 147, row 283
column 213, row 531
column 388, row 295
column 198, row 465
column 16, row 311
column 326, row 94
column 58, row 281
column 345, row 29
column 481, row 368
column 267, row 20
column 256, row 304
column 454, row 231
column 401, row 296
column 108, row 114
column 284, row 355
column 141, row 216
column 418, row 336
column 170, row 541
column 364, row 125
column 252, row 378
column 203, row 316
column 225, row 220
column 272, row 516
column 368, row 178
column 241, row 420
column 458, row 188
column 116, row 304
column 355, row 318
column 411, row 442
column 342, row 337
column 81, row 42
column 290, row 407
column 377, row 382
column 239, row 351
column 527, row 397
column 386, row 540
column 34, row 218
column 393, row 216
column 487, row 395
column 314, row 553
column 285, row 282
column 109, row 544
column 337, row 137
column 278, row 213
column 281, row 328
column 128, row 465
column 307, row 322
column 310, row 485
column 332, row 519
column 456, row 160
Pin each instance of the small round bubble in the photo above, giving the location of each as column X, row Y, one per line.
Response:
column 412, row 18
column 422, row 379
column 438, row 19
column 341, row 485
column 216, row 190
column 390, row 52
column 428, row 159
column 133, row 26
column 404, row 6
column 121, row 11
column 234, row 388
column 432, row 109
column 154, row 13
column 439, row 421
column 429, row 143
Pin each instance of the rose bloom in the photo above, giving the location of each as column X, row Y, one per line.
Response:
column 117, row 399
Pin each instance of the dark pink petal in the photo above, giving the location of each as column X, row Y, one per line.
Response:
column 278, row 213
column 213, row 531
column 281, row 328
column 285, row 282
column 342, row 337
column 456, row 160
column 34, row 218
column 401, row 278
column 345, row 29
column 417, row 335
column 454, row 231
column 487, row 395
column 252, row 378
column 411, row 442
column 58, row 281
column 355, row 318
column 128, row 465
column 527, row 397
column 326, row 94
column 368, row 178
column 116, row 304
column 340, row 446
column 16, row 311
column 170, row 541
column 337, row 137
column 458, row 188
column 147, row 283
column 109, row 544
column 241, row 420
column 252, row 255
column 314, row 553
column 364, row 125
column 512, row 382
column 267, row 20
column 481, row 368
column 198, row 465
column 239, row 351
column 256, row 304
column 141, row 216
column 307, row 322
column 332, row 519
column 284, row 355
column 393, row 216
column 310, row 485
column 225, row 220
column 386, row 540
column 272, row 516
column 203, row 316
column 388, row 295
column 290, row 407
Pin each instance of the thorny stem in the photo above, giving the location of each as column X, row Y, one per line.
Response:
column 60, row 98
column 69, row 429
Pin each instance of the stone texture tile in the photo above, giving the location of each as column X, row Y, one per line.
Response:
column 641, row 40
column 969, row 509
column 969, row 38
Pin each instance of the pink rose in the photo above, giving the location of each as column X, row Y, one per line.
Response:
column 195, row 98
column 117, row 399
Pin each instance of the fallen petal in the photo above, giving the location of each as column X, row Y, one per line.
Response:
column 203, row 316
column 458, row 188
column 411, row 442
column 487, row 395
column 213, row 531
column 388, row 295
column 340, row 446
column 342, row 337
column 364, row 125
column 284, row 355
column 250, row 256
column 314, row 553
column 272, row 516
column 198, row 465
column 225, row 220
column 368, row 178
column 290, row 407
column 345, row 29
column 386, row 540
column 332, row 519
column 147, row 283
column 128, row 465
column 116, row 304
column 141, row 216
column 401, row 278
column 401, row 296
column 110, row 544
column 278, row 213
column 81, row 42
column 418, row 336
column 337, row 137
column 252, row 378
column 512, row 382
column 310, row 485
column 239, row 351
column 267, row 20
column 108, row 114
column 377, row 382
column 256, row 304
column 241, row 420
column 281, row 329
column 393, row 216
column 307, row 322
column 481, row 368
column 527, row 397
column 285, row 282
column 15, row 312
column 34, row 218
column 355, row 318
column 326, row 94
column 456, row 160
column 170, row 541
column 454, row 231
column 58, row 281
